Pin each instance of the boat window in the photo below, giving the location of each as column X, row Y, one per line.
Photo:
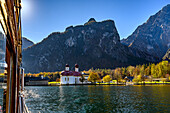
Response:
column 3, row 65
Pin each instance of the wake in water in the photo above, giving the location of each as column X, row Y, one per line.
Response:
column 30, row 93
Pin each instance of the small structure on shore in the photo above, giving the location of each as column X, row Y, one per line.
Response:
column 70, row 77
column 36, row 81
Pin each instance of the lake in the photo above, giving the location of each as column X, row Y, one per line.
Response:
column 104, row 99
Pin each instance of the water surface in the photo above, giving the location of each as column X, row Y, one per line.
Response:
column 104, row 99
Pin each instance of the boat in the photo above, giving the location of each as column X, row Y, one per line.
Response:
column 10, row 19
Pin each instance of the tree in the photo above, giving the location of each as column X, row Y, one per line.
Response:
column 165, row 67
column 123, row 71
column 82, row 79
column 58, row 80
column 45, row 74
column 99, row 80
column 137, row 79
column 142, row 70
column 153, row 72
column 130, row 70
column 107, row 78
column 117, row 74
column 93, row 77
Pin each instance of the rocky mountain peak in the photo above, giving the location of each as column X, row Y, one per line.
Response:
column 166, row 8
column 153, row 36
column 26, row 43
column 95, row 44
column 92, row 20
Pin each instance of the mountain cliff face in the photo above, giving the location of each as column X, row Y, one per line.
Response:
column 167, row 55
column 94, row 44
column 153, row 37
column 26, row 43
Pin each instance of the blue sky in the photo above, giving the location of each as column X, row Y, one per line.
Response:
column 42, row 17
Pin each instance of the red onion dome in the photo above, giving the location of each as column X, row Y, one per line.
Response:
column 67, row 65
column 76, row 66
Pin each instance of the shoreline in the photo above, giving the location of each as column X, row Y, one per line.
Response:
column 111, row 84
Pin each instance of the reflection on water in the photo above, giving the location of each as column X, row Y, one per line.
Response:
column 98, row 99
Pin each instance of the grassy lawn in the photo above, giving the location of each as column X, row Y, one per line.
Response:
column 53, row 83
column 147, row 82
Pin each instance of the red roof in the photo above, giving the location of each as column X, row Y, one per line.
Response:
column 77, row 73
column 70, row 73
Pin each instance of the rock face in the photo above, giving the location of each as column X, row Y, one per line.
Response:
column 26, row 43
column 153, row 37
column 94, row 44
column 167, row 55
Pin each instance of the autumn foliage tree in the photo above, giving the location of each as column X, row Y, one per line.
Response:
column 107, row 78
column 93, row 77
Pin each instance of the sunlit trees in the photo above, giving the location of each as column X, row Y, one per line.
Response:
column 138, row 78
column 139, row 72
column 117, row 74
column 93, row 77
column 165, row 65
column 99, row 80
column 153, row 72
column 130, row 70
column 123, row 72
column 107, row 78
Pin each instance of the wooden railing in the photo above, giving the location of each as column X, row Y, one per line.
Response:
column 10, row 20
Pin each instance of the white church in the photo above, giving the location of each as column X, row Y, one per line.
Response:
column 70, row 77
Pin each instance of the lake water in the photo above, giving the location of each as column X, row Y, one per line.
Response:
column 97, row 99
column 103, row 99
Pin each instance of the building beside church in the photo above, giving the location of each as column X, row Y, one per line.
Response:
column 70, row 77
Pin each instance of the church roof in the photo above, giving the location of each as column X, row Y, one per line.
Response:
column 70, row 73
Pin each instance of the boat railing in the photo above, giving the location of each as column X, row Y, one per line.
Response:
column 22, row 106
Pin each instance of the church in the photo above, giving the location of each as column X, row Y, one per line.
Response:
column 70, row 77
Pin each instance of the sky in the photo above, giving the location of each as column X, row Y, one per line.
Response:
column 42, row 17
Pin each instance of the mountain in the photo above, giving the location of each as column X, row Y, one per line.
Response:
column 152, row 37
column 167, row 55
column 26, row 43
column 94, row 44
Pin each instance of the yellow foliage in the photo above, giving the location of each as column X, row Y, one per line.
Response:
column 107, row 78
column 93, row 77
